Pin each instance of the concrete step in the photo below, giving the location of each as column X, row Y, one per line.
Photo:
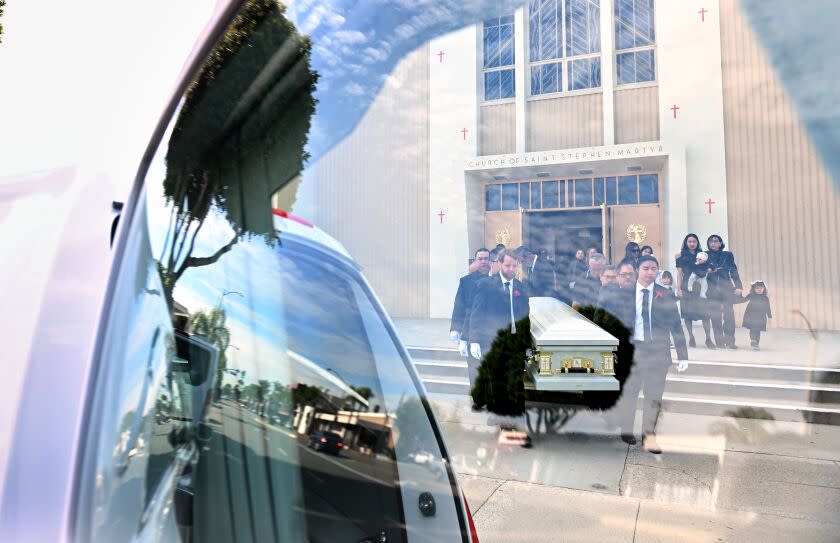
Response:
column 750, row 388
column 441, row 384
column 441, row 368
column 763, row 372
column 435, row 353
column 701, row 404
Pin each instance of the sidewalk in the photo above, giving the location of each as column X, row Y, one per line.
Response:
column 719, row 479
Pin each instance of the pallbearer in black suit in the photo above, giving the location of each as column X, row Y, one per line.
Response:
column 655, row 321
column 541, row 276
column 499, row 302
column 464, row 299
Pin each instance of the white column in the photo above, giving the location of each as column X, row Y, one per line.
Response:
column 519, row 45
column 690, row 79
column 453, row 106
column 608, row 70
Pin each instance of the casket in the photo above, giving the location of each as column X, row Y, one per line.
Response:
column 572, row 353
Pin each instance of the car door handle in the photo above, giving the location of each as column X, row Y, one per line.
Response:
column 426, row 504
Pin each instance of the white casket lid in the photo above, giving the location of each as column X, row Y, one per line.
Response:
column 554, row 323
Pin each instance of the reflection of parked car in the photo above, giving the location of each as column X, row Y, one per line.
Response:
column 329, row 442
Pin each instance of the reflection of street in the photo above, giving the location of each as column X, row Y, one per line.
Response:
column 351, row 496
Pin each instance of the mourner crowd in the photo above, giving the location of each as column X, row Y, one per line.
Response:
column 649, row 301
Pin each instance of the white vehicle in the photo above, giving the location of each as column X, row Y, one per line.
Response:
column 174, row 353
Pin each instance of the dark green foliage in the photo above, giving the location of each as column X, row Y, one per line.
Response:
column 239, row 137
column 499, row 384
column 252, row 102
column 2, row 5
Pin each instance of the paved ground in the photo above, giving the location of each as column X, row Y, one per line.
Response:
column 719, row 479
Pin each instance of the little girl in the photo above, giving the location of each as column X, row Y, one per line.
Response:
column 757, row 312
column 666, row 280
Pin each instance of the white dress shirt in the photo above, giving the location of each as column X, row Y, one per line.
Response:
column 639, row 328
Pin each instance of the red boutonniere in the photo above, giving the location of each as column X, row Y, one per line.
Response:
column 658, row 294
column 516, row 293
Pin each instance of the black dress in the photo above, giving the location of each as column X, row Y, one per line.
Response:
column 689, row 309
column 757, row 312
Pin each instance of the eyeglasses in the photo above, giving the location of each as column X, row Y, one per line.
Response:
column 636, row 251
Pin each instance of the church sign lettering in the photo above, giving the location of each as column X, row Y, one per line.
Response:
column 558, row 157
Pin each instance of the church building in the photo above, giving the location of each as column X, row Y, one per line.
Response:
column 569, row 124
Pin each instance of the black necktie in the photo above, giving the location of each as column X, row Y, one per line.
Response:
column 510, row 301
column 646, row 315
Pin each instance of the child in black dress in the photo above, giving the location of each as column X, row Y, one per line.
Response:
column 757, row 312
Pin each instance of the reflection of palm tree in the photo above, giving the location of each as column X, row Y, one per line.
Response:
column 247, row 113
column 212, row 327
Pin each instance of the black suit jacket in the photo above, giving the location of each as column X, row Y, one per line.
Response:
column 665, row 321
column 586, row 290
column 491, row 309
column 541, row 279
column 612, row 299
column 463, row 301
column 723, row 275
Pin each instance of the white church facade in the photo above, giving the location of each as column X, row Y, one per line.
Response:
column 580, row 123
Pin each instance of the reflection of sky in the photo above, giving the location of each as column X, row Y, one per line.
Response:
column 807, row 67
column 357, row 43
column 275, row 302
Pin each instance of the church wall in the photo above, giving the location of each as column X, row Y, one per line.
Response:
column 497, row 129
column 784, row 213
column 637, row 114
column 565, row 123
column 391, row 176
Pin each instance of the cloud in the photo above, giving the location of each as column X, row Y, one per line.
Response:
column 314, row 20
column 348, row 37
column 371, row 55
column 354, row 89
column 335, row 20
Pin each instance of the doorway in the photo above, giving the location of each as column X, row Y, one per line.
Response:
column 562, row 233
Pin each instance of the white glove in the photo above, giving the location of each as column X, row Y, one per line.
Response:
column 475, row 350
column 463, row 348
column 455, row 336
column 682, row 365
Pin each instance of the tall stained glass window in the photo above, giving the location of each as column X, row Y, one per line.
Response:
column 564, row 45
column 635, row 41
column 498, row 58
